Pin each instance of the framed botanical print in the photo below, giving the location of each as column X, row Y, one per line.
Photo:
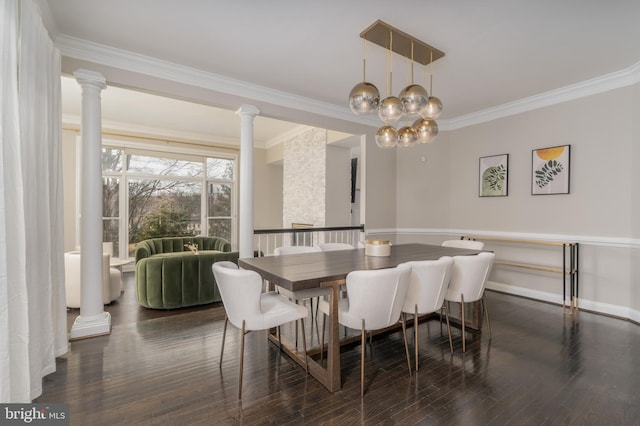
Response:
column 550, row 170
column 494, row 176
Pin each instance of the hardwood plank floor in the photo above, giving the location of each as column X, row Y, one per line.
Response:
column 540, row 368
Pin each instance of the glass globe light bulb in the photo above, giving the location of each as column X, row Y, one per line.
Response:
column 391, row 109
column 407, row 137
column 415, row 99
column 386, row 137
column 364, row 98
column 433, row 109
column 426, row 129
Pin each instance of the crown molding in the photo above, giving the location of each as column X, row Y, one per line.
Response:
column 615, row 80
column 135, row 130
column 108, row 56
column 289, row 134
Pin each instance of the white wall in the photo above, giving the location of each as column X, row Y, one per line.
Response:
column 338, row 186
column 438, row 198
column 423, row 184
column 69, row 188
column 379, row 188
column 267, row 196
column 635, row 203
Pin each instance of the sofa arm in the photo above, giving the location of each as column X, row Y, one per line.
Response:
column 142, row 250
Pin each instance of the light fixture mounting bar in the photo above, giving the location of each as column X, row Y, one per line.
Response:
column 380, row 32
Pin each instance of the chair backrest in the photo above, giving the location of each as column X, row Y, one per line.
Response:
column 468, row 244
column 428, row 285
column 284, row 250
column 469, row 276
column 376, row 296
column 240, row 290
column 107, row 247
column 72, row 273
column 335, row 246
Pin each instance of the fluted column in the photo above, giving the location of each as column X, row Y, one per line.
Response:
column 93, row 320
column 247, row 114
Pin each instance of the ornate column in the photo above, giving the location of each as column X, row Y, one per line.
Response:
column 93, row 320
column 245, row 225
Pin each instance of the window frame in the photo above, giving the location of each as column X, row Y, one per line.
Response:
column 177, row 151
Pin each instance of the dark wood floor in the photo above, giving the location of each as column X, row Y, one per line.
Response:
column 540, row 368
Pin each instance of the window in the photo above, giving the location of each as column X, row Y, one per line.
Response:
column 161, row 194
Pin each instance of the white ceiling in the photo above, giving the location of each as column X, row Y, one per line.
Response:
column 497, row 51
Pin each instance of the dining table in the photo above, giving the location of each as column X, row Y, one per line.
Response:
column 330, row 269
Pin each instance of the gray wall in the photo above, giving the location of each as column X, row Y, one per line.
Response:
column 267, row 196
column 438, row 198
column 338, row 186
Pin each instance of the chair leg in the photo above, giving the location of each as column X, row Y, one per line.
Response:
column 446, row 312
column 296, row 325
column 224, row 335
column 415, row 332
column 406, row 344
column 279, row 339
column 324, row 321
column 486, row 314
column 464, row 348
column 241, row 362
column 304, row 347
column 363, row 344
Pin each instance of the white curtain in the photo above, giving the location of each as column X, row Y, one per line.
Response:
column 32, row 307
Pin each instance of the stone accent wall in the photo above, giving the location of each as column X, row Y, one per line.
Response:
column 304, row 178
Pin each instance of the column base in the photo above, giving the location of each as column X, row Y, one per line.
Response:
column 97, row 325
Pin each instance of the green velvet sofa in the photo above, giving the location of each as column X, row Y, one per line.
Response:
column 169, row 275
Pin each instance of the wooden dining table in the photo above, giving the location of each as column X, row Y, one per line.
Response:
column 329, row 269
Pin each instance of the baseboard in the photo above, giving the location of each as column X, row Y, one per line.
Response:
column 617, row 311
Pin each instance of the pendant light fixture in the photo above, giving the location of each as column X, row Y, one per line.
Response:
column 434, row 105
column 364, row 97
column 387, row 135
column 414, row 97
column 391, row 108
column 413, row 101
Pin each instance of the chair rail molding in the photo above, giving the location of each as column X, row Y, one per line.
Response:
column 590, row 278
column 582, row 239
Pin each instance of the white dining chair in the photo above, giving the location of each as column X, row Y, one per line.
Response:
column 111, row 279
column 335, row 246
column 427, row 289
column 249, row 309
column 284, row 250
column 299, row 295
column 374, row 303
column 468, row 279
column 467, row 244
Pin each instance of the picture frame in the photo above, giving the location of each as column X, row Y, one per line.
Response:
column 493, row 176
column 550, row 170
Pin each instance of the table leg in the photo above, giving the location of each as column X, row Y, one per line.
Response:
column 329, row 376
column 333, row 347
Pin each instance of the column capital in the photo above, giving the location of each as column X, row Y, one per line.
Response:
column 92, row 78
column 249, row 110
